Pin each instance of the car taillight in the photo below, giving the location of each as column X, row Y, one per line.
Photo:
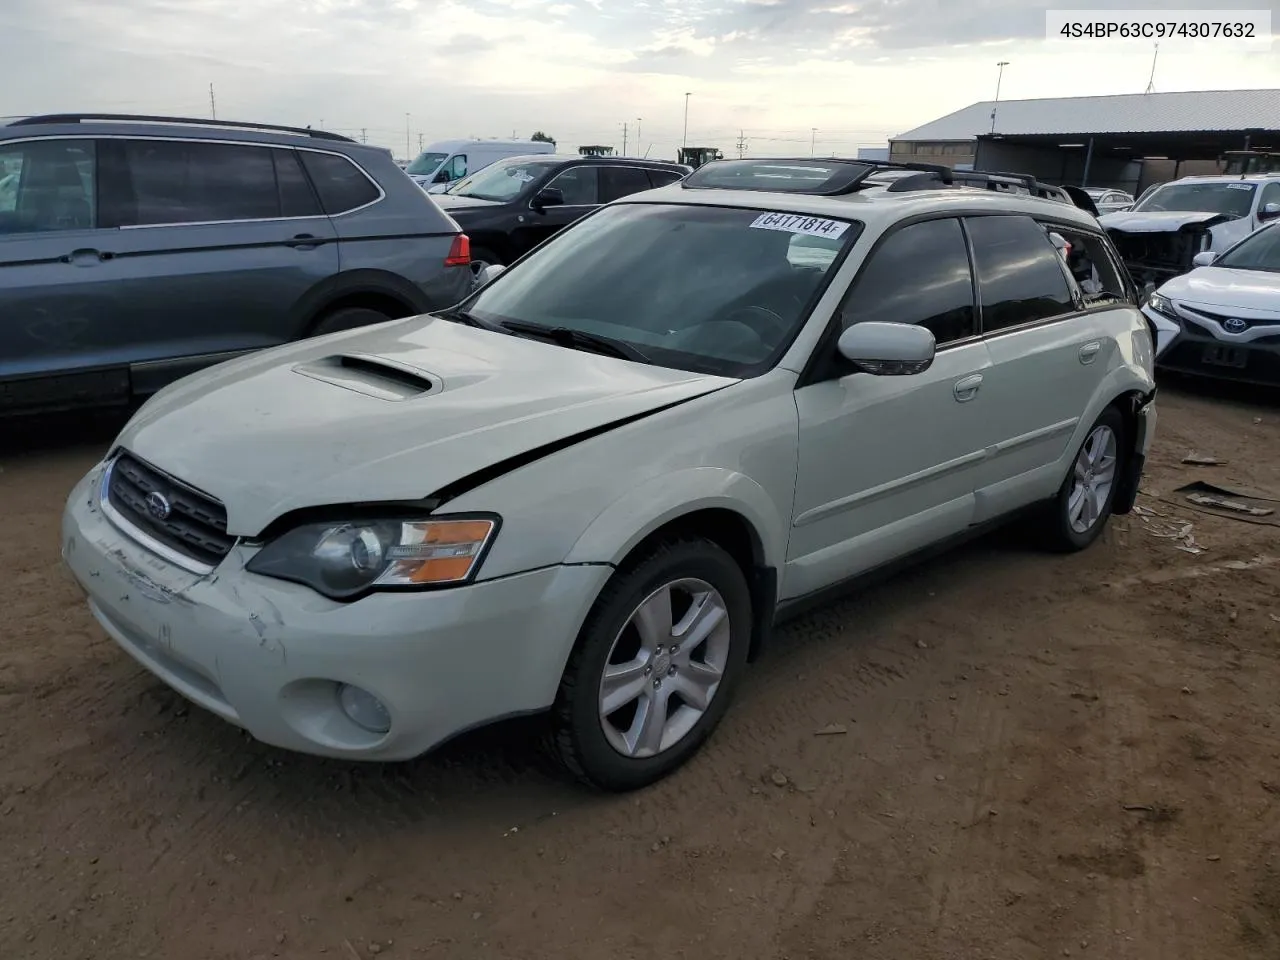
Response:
column 460, row 252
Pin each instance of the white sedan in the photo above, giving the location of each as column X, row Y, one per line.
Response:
column 1222, row 319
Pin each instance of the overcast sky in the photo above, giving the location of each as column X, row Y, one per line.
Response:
column 859, row 71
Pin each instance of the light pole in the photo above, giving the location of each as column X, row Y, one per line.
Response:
column 408, row 150
column 639, row 144
column 685, row 141
column 999, row 77
column 813, row 139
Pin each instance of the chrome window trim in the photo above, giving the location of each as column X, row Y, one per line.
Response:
column 382, row 194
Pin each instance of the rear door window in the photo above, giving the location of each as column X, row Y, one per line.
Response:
column 618, row 182
column 342, row 185
column 178, row 181
column 47, row 185
column 580, row 185
column 1020, row 273
column 919, row 274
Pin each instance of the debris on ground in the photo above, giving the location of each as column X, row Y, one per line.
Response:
column 1251, row 506
column 1164, row 527
column 1203, row 500
column 832, row 730
column 1199, row 460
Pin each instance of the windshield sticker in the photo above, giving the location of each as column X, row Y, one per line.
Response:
column 795, row 223
column 1239, row 186
column 522, row 175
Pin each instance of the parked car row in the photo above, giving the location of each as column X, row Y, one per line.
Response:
column 591, row 488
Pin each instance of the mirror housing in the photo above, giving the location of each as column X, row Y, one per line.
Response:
column 442, row 176
column 888, row 349
column 488, row 274
column 1269, row 211
column 1204, row 258
column 548, row 197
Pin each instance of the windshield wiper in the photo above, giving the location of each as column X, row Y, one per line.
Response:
column 578, row 340
column 470, row 319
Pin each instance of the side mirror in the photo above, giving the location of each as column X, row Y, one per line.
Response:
column 489, row 273
column 1204, row 259
column 442, row 176
column 1269, row 211
column 888, row 349
column 548, row 197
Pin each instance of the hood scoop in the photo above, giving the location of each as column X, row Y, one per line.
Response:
column 372, row 376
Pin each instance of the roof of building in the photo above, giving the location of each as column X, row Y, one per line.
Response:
column 1193, row 111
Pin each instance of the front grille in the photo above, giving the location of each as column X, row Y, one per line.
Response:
column 195, row 525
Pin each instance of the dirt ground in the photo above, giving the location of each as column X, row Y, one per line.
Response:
column 1042, row 757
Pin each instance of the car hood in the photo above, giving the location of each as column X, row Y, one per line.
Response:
column 1247, row 290
column 385, row 413
column 447, row 201
column 1160, row 221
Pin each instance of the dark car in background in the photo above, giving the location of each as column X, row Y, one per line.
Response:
column 136, row 250
column 511, row 206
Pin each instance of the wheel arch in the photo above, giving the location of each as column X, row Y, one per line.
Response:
column 372, row 289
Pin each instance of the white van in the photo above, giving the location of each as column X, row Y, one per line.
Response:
column 447, row 161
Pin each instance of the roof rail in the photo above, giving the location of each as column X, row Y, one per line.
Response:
column 834, row 176
column 188, row 121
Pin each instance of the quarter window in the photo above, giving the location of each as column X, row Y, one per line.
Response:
column 342, row 185
column 618, row 182
column 1091, row 265
column 580, row 186
column 47, row 185
column 920, row 274
column 297, row 199
column 662, row 178
column 1020, row 274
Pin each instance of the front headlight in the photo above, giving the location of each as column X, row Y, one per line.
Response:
column 343, row 560
column 1162, row 306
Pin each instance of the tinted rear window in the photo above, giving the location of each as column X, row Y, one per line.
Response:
column 179, row 181
column 1020, row 275
column 342, row 185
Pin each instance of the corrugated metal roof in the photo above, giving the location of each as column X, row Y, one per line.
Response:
column 1199, row 110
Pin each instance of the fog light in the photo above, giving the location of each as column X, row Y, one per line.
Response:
column 364, row 709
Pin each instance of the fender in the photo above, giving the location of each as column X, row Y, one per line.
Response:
column 315, row 301
column 621, row 526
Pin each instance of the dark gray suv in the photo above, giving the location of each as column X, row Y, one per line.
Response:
column 135, row 250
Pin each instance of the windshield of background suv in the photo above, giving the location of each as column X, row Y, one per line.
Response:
column 708, row 289
column 426, row 163
column 1232, row 199
column 501, row 181
column 1261, row 251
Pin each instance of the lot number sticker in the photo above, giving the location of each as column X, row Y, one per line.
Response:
column 795, row 223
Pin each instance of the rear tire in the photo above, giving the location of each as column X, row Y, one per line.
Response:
column 655, row 666
column 1079, row 513
column 348, row 318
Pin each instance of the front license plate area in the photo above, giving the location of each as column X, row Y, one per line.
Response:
column 1219, row 356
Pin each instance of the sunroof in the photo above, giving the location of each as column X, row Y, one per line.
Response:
column 779, row 176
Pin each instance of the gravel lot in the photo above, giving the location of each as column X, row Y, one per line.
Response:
column 1027, row 756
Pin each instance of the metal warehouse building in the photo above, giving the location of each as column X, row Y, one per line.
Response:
column 1128, row 141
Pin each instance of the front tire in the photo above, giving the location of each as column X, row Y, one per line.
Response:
column 655, row 666
column 1080, row 512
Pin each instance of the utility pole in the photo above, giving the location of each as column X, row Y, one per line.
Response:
column 638, row 141
column 213, row 104
column 419, row 143
column 685, row 141
column 624, row 138
column 999, row 77
column 408, row 150
column 813, row 139
column 364, row 135
column 1151, row 83
column 742, row 143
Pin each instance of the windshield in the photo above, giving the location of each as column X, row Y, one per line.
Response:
column 1260, row 251
column 1232, row 199
column 501, row 181
column 426, row 163
column 708, row 289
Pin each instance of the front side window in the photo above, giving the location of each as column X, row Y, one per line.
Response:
column 503, row 181
column 47, row 185
column 1259, row 251
column 457, row 168
column 708, row 289
column 1231, row 199
column 1020, row 278
column 580, row 186
column 1270, row 194
column 919, row 274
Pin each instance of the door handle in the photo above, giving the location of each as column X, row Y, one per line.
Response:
column 1089, row 352
column 85, row 256
column 303, row 241
column 966, row 388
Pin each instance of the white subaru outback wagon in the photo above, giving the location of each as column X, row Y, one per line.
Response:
column 592, row 487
